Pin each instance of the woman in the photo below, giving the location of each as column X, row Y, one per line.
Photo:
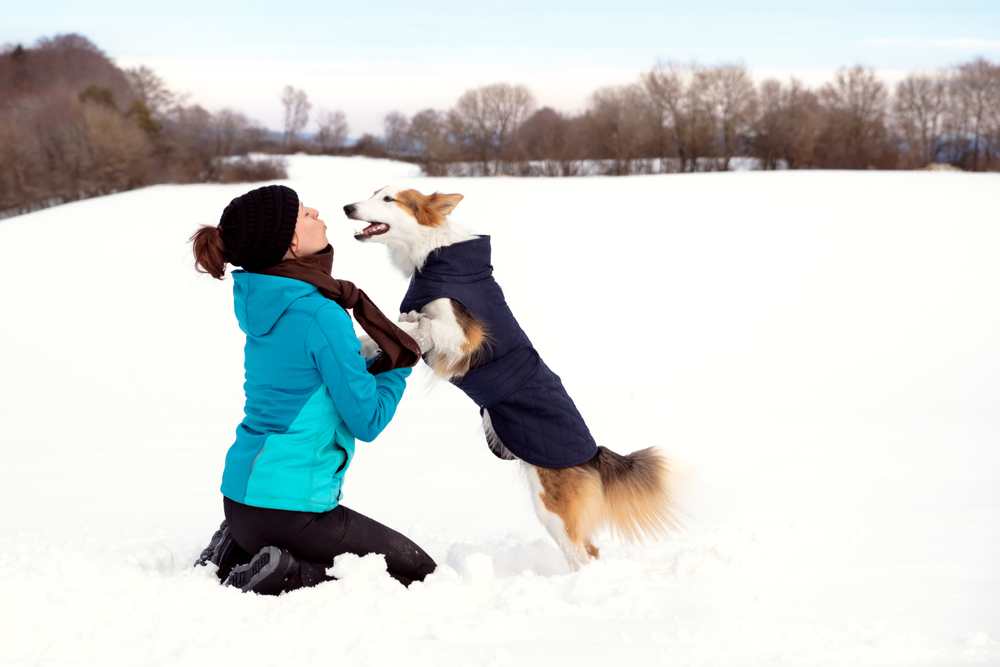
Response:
column 309, row 394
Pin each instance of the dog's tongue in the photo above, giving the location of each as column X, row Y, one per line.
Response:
column 374, row 228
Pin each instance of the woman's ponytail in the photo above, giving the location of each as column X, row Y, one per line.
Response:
column 209, row 251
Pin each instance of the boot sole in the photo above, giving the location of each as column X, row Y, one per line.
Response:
column 264, row 574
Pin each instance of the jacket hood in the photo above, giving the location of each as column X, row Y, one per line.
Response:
column 260, row 300
column 468, row 259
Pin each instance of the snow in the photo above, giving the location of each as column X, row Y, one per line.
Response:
column 817, row 350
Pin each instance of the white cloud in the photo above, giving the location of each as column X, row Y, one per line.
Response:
column 968, row 43
column 885, row 41
column 948, row 43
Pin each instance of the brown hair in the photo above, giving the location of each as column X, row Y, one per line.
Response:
column 209, row 251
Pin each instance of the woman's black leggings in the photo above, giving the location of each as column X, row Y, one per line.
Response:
column 315, row 539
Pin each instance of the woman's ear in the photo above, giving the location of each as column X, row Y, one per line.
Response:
column 293, row 248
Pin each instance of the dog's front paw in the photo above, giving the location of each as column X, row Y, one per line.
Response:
column 419, row 330
column 412, row 316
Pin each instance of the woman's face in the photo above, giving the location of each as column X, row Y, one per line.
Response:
column 310, row 233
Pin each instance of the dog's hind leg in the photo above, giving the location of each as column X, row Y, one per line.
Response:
column 567, row 502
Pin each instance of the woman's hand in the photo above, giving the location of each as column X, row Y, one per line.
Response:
column 369, row 348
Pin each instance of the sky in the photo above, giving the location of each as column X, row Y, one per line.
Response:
column 371, row 58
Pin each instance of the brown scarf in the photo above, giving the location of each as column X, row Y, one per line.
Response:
column 398, row 349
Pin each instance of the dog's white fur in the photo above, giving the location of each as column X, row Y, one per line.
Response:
column 390, row 217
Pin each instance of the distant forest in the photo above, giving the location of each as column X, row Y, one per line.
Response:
column 74, row 125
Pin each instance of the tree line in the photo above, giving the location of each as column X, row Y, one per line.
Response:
column 73, row 125
column 684, row 118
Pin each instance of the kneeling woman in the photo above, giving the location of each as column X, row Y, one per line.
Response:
column 309, row 394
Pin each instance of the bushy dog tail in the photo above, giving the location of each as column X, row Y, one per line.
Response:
column 640, row 494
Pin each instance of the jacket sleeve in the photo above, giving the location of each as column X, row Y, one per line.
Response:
column 366, row 402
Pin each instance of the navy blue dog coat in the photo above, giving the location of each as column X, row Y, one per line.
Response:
column 529, row 409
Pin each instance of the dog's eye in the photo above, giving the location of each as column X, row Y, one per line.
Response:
column 387, row 198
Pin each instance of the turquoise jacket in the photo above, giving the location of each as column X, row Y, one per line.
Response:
column 308, row 396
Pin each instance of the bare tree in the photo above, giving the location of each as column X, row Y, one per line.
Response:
column 732, row 102
column 657, row 94
column 151, row 90
column 919, row 108
column 508, row 106
column 768, row 128
column 856, row 102
column 46, row 145
column 787, row 124
column 803, row 122
column 331, row 131
column 976, row 89
column 191, row 138
column 235, row 134
column 428, row 134
column 678, row 97
column 12, row 165
column 72, row 61
column 993, row 126
column 487, row 119
column 117, row 151
column 297, row 108
column 552, row 138
column 370, row 145
column 396, row 127
column 620, row 118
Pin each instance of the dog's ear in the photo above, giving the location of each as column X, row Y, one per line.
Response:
column 443, row 204
column 428, row 211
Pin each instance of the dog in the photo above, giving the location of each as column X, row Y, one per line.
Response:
column 577, row 487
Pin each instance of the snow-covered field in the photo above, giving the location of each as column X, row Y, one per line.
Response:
column 818, row 349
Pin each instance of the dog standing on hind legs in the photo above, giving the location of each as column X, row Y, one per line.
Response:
column 577, row 487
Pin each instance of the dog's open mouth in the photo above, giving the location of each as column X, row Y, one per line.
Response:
column 374, row 229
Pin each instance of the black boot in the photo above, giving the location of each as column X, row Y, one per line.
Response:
column 223, row 551
column 272, row 571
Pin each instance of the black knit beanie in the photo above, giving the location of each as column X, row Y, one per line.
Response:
column 257, row 228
